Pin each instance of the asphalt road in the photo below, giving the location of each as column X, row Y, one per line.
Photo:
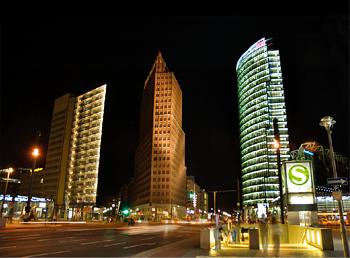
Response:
column 98, row 241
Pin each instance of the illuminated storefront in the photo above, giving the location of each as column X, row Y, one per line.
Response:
column 42, row 207
column 261, row 99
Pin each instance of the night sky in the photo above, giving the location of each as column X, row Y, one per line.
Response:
column 43, row 59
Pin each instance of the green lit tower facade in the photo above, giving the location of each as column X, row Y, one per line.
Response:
column 261, row 100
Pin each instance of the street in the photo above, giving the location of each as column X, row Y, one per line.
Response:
column 98, row 241
column 142, row 240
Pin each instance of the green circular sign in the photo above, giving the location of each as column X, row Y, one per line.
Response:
column 298, row 174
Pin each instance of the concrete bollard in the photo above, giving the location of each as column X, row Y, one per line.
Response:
column 253, row 238
column 205, row 241
column 2, row 222
column 327, row 239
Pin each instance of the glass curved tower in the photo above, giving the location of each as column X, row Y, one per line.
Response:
column 261, row 100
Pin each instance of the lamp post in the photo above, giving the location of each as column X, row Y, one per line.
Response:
column 9, row 170
column 35, row 155
column 327, row 122
column 277, row 145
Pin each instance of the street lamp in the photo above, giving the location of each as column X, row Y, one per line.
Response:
column 277, row 145
column 35, row 155
column 327, row 122
column 9, row 170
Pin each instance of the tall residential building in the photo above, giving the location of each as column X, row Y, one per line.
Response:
column 261, row 99
column 159, row 185
column 72, row 162
column 58, row 148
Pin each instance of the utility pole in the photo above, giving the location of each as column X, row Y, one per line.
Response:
column 35, row 155
column 215, row 201
column 222, row 191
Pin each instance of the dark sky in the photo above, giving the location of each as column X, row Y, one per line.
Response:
column 42, row 59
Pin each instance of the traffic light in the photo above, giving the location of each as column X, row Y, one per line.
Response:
column 126, row 212
column 191, row 195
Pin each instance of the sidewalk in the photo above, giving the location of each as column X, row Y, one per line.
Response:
column 16, row 224
column 57, row 224
column 286, row 250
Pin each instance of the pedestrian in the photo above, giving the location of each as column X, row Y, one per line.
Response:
column 234, row 232
column 217, row 233
column 263, row 232
column 11, row 213
column 276, row 234
column 225, row 233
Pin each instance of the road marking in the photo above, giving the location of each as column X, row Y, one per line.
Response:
column 95, row 242
column 147, row 238
column 45, row 239
column 114, row 244
column 32, row 235
column 132, row 246
column 72, row 240
column 43, row 254
column 23, row 238
column 5, row 237
column 20, row 236
column 4, row 247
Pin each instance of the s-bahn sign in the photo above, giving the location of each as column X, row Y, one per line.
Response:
column 299, row 182
column 299, row 177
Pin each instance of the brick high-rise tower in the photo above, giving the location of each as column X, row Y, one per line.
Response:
column 158, row 189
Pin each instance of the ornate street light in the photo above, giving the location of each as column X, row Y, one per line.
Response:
column 327, row 122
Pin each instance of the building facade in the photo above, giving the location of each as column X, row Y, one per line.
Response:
column 158, row 188
column 261, row 100
column 84, row 151
column 72, row 162
column 197, row 200
column 58, row 148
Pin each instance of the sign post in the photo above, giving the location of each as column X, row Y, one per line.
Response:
column 338, row 181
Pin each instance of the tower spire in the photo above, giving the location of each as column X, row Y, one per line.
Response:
column 160, row 63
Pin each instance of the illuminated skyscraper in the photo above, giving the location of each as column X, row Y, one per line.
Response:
column 158, row 189
column 84, row 152
column 261, row 99
column 72, row 161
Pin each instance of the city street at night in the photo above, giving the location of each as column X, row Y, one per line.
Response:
column 111, row 240
column 175, row 136
column 99, row 240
